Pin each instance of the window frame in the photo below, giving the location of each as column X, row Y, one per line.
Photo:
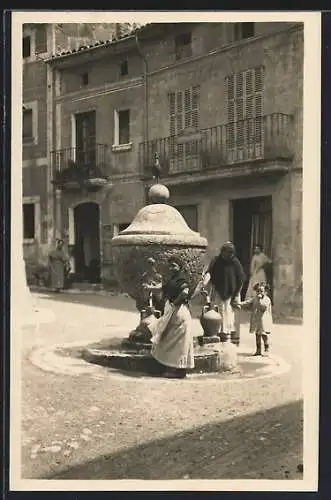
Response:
column 184, row 118
column 244, row 101
column 117, row 146
column 35, row 201
column 117, row 227
column 33, row 106
column 30, row 52
column 29, row 31
column 84, row 80
column 239, row 30
column 124, row 64
column 181, row 47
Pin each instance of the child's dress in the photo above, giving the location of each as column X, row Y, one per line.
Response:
column 261, row 315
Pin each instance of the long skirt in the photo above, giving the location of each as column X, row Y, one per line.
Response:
column 230, row 319
column 57, row 274
column 172, row 337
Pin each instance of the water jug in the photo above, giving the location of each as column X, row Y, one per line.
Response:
column 210, row 320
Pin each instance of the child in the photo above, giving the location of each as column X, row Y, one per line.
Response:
column 261, row 317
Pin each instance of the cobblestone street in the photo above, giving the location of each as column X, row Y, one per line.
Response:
column 94, row 425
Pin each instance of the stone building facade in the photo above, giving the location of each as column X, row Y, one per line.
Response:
column 220, row 104
column 39, row 42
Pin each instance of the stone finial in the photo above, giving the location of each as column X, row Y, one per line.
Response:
column 158, row 194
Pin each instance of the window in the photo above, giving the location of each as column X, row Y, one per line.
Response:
column 123, row 226
column 184, row 116
column 29, row 222
column 190, row 214
column 28, row 125
column 184, row 109
column 41, row 39
column 183, row 47
column 244, row 92
column 117, row 228
column 124, row 68
column 243, row 30
column 122, row 127
column 26, row 46
column 84, row 79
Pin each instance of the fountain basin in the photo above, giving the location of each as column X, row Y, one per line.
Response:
column 122, row 356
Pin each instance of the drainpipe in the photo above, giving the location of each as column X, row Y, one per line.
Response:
column 51, row 202
column 146, row 114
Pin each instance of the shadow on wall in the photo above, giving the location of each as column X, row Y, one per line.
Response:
column 262, row 445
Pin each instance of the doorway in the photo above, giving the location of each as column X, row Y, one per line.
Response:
column 85, row 138
column 87, row 242
column 251, row 224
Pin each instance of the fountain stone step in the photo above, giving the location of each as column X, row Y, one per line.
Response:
column 206, row 360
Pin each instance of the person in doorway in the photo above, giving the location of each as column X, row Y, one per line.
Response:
column 226, row 275
column 261, row 317
column 257, row 269
column 59, row 266
column 172, row 333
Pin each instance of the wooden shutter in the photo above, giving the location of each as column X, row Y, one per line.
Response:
column 172, row 124
column 230, row 104
column 188, row 108
column 244, row 93
column 195, row 106
column 179, row 112
column 183, row 114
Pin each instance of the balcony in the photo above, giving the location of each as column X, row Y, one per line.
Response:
column 75, row 169
column 235, row 147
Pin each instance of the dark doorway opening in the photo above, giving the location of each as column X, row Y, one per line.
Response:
column 87, row 242
column 251, row 224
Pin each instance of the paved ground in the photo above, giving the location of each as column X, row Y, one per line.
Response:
column 85, row 427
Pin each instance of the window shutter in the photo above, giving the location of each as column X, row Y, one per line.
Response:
column 179, row 112
column 187, row 108
column 249, row 85
column 172, row 111
column 230, row 104
column 244, row 94
column 259, row 87
column 259, row 79
column 195, row 106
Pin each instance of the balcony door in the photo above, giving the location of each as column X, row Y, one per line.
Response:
column 245, row 123
column 85, row 138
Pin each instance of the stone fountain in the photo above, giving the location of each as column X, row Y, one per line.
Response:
column 157, row 232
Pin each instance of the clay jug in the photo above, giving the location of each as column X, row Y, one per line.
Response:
column 210, row 320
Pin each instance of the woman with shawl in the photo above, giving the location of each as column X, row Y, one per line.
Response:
column 172, row 333
column 226, row 275
column 58, row 266
column 257, row 270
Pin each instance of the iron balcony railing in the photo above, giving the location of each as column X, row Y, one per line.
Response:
column 81, row 163
column 261, row 138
